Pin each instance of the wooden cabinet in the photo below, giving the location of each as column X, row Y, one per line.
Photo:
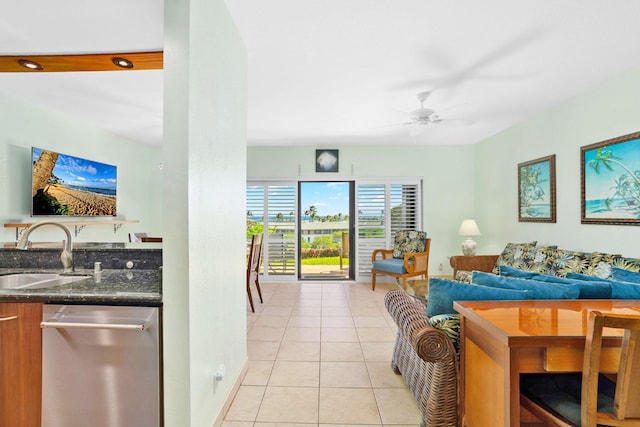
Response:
column 20, row 364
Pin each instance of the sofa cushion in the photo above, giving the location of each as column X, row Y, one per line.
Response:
column 516, row 255
column 392, row 265
column 619, row 289
column 583, row 277
column 593, row 288
column 624, row 290
column 409, row 241
column 542, row 260
column 442, row 294
column 631, row 264
column 450, row 325
column 558, row 262
column 540, row 290
column 625, row 275
column 601, row 264
column 463, row 276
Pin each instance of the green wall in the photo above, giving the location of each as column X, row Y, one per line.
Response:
column 25, row 125
column 608, row 110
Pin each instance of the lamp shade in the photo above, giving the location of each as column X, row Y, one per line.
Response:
column 469, row 228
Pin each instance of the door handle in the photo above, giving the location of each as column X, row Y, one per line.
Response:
column 52, row 323
column 4, row 319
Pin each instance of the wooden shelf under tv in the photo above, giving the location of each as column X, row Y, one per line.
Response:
column 78, row 225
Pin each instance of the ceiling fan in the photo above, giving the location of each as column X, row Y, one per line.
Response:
column 422, row 116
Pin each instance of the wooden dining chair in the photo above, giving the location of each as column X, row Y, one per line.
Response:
column 253, row 267
column 596, row 399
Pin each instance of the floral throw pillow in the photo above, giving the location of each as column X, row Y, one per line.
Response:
column 515, row 255
column 543, row 260
column 572, row 261
column 601, row 265
column 450, row 325
column 559, row 262
column 630, row 264
column 409, row 241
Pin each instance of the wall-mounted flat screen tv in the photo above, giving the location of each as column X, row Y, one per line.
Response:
column 72, row 186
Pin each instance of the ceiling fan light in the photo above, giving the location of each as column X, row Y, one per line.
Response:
column 121, row 62
column 31, row 65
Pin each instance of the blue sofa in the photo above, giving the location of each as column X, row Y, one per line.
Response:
column 425, row 351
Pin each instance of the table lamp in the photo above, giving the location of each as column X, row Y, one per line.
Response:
column 469, row 228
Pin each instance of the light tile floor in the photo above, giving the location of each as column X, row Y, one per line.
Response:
column 319, row 355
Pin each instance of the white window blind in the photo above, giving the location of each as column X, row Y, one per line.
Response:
column 384, row 208
column 280, row 251
column 271, row 209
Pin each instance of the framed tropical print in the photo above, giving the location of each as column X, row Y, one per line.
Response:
column 537, row 190
column 610, row 181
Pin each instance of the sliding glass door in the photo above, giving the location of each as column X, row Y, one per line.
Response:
column 326, row 224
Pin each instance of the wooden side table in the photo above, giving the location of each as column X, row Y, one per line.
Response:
column 472, row 262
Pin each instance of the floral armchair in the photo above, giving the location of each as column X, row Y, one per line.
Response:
column 408, row 258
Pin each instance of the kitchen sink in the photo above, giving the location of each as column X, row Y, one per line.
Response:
column 36, row 280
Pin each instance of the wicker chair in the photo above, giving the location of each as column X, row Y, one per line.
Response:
column 427, row 360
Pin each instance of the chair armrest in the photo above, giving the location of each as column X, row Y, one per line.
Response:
column 386, row 254
column 416, row 261
column 473, row 263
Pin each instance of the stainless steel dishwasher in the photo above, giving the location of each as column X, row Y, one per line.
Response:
column 101, row 366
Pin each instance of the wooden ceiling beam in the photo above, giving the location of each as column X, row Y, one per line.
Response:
column 83, row 62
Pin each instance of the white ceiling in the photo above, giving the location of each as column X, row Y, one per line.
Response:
column 339, row 72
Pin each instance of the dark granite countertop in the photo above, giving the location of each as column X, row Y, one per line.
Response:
column 136, row 287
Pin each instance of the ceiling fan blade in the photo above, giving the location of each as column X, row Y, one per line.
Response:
column 474, row 70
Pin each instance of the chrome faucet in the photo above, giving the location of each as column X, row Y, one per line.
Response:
column 67, row 247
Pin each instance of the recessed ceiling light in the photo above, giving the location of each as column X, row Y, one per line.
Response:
column 122, row 62
column 30, row 64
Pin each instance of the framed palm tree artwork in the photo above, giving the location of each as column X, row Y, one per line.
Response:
column 610, row 181
column 537, row 190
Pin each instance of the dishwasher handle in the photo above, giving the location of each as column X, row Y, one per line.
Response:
column 52, row 323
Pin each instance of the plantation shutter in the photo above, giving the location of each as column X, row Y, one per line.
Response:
column 271, row 209
column 404, row 207
column 281, row 246
column 382, row 209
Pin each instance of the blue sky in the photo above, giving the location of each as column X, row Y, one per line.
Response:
column 329, row 198
column 82, row 172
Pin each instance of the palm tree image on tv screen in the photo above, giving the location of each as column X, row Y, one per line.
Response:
column 73, row 186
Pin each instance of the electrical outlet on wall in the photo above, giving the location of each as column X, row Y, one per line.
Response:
column 440, row 267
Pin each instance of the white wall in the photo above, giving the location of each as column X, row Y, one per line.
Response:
column 609, row 110
column 25, row 125
column 448, row 173
column 204, row 210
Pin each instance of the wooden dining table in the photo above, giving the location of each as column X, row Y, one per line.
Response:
column 502, row 339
